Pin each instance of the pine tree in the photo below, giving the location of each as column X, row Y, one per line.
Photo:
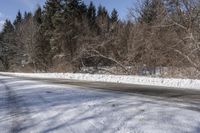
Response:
column 50, row 9
column 38, row 16
column 114, row 16
column 42, row 47
column 91, row 14
column 27, row 15
column 73, row 8
column 7, row 53
column 67, row 28
column 83, row 8
column 149, row 11
column 100, row 10
column 105, row 12
column 8, row 27
column 103, row 19
column 18, row 19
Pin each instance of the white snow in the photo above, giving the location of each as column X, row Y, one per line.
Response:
column 69, row 109
column 1, row 24
column 137, row 80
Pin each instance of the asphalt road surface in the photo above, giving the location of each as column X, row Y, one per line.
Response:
column 64, row 106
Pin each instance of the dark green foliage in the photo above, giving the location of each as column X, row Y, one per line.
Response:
column 41, row 44
column 7, row 47
column 50, row 9
column 83, row 8
column 38, row 16
column 8, row 27
column 91, row 14
column 47, row 27
column 102, row 11
column 149, row 11
column 114, row 16
column 18, row 19
column 62, row 27
column 27, row 15
column 103, row 20
column 67, row 28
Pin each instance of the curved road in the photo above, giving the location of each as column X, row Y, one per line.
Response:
column 47, row 105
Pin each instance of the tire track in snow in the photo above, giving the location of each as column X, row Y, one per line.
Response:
column 16, row 112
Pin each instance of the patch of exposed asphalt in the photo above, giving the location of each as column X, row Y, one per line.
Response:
column 14, row 106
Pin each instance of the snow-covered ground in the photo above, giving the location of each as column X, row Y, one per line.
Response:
column 36, row 107
column 138, row 80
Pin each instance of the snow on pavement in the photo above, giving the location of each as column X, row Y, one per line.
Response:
column 138, row 80
column 65, row 108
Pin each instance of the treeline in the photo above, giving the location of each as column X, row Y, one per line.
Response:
column 66, row 35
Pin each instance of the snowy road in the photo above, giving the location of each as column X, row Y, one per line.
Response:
column 41, row 107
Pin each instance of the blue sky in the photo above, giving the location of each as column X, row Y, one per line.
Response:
column 9, row 8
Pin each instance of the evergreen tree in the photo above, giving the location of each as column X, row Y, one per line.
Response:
column 91, row 14
column 38, row 16
column 7, row 45
column 27, row 15
column 8, row 27
column 100, row 10
column 103, row 19
column 61, row 21
column 105, row 12
column 50, row 9
column 114, row 16
column 42, row 47
column 83, row 8
column 67, row 28
column 18, row 19
column 149, row 11
column 73, row 8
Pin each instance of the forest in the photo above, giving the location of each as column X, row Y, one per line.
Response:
column 70, row 36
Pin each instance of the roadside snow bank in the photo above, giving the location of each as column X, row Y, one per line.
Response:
column 138, row 80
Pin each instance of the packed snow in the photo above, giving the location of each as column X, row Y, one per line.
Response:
column 137, row 80
column 40, row 107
